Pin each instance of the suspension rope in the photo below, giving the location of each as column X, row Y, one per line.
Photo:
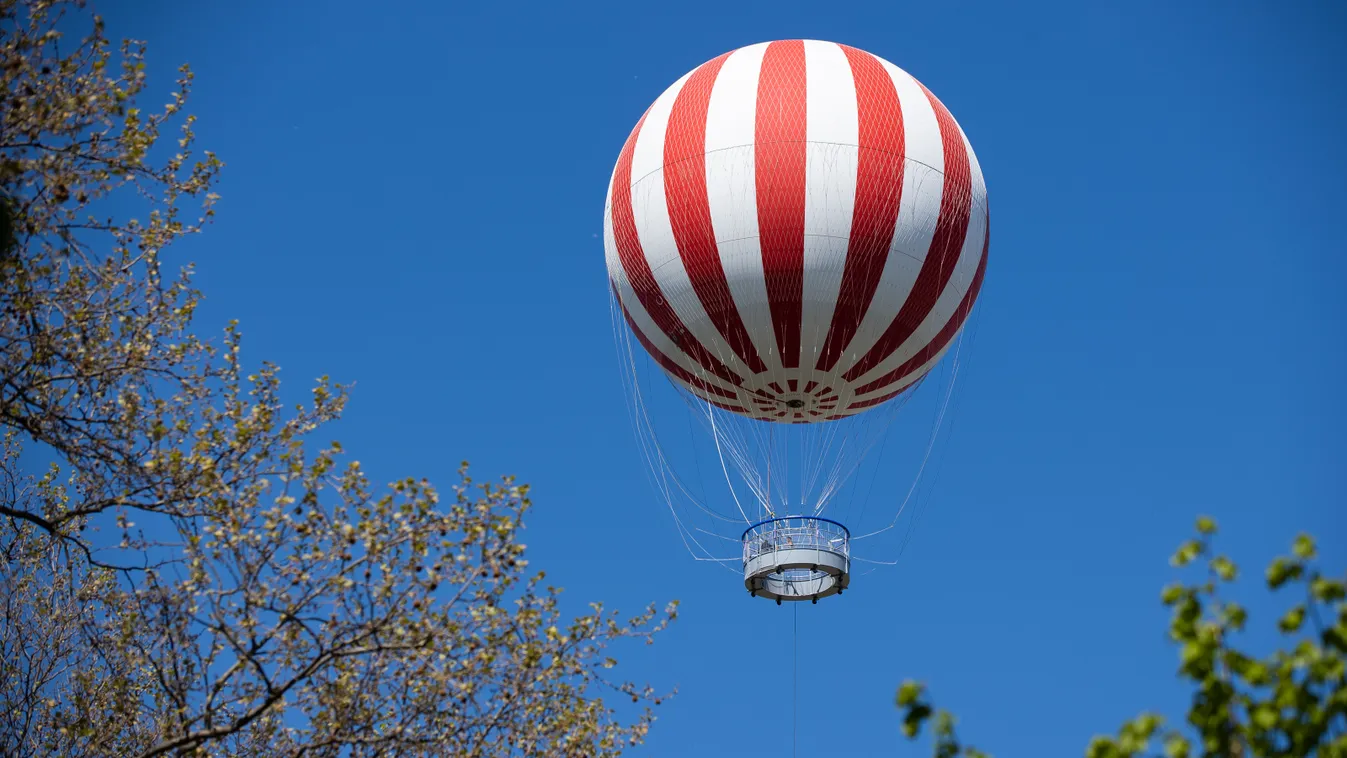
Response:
column 794, row 678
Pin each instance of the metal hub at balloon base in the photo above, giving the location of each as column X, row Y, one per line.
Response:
column 796, row 558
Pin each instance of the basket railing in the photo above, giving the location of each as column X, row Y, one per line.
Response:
column 796, row 533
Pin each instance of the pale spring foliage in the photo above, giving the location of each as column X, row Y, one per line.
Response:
column 184, row 569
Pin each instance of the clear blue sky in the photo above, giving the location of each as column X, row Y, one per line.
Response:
column 411, row 200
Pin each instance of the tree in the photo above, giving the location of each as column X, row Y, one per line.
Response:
column 192, row 571
column 1292, row 702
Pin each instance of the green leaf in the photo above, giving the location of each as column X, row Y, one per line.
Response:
column 1171, row 593
column 1293, row 620
column 1238, row 662
column 1327, row 590
column 1265, row 716
column 915, row 717
column 1177, row 746
column 1223, row 567
column 1186, row 553
column 1336, row 638
column 1148, row 724
column 1183, row 625
column 1196, row 659
column 909, row 692
column 1256, row 674
column 1102, row 747
column 1282, row 571
column 1206, row 525
column 1304, row 546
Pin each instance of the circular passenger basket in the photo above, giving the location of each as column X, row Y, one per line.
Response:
column 796, row 558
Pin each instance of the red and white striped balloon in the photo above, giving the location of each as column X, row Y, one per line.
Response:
column 796, row 230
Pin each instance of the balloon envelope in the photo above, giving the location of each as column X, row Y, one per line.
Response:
column 796, row 231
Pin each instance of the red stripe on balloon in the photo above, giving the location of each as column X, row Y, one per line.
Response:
column 723, row 405
column 875, row 400
column 879, row 188
column 941, row 340
column 638, row 272
column 956, row 205
column 779, row 165
column 669, row 364
column 690, row 209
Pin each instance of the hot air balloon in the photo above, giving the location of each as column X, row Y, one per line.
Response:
column 795, row 233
